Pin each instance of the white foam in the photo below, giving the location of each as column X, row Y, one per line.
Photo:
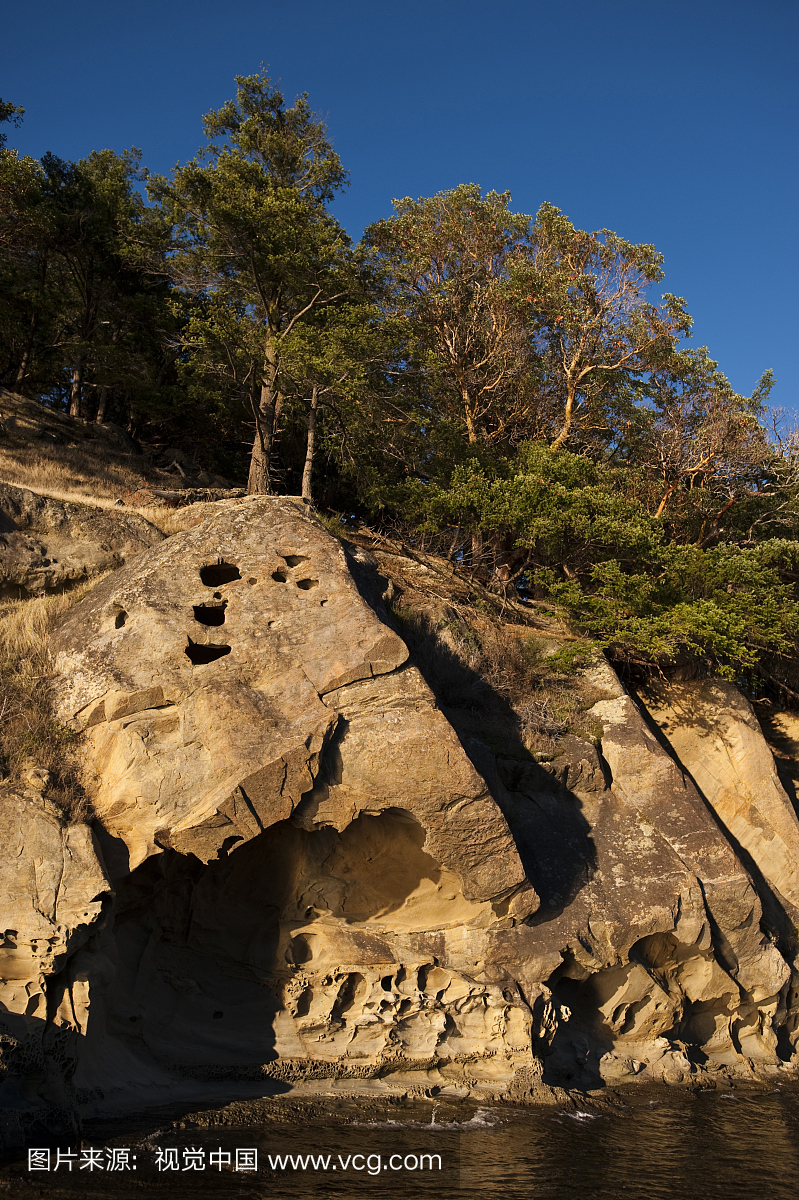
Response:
column 484, row 1118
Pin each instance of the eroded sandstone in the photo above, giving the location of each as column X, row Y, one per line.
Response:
column 50, row 546
column 316, row 873
column 54, row 893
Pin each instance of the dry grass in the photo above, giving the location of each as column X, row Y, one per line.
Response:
column 167, row 519
column 175, row 520
column 71, row 472
column 54, row 455
column 30, row 736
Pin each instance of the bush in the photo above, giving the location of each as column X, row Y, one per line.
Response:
column 575, row 531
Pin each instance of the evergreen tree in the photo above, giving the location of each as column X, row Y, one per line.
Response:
column 255, row 243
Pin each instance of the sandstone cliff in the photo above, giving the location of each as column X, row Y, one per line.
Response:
column 49, row 546
column 302, row 867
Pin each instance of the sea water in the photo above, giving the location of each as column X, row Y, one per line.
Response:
column 708, row 1145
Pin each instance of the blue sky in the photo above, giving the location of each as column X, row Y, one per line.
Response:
column 673, row 123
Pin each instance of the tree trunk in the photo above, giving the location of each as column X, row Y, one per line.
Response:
column 506, row 559
column 23, row 367
column 102, row 401
column 76, row 390
column 477, row 550
column 311, row 446
column 568, row 416
column 468, row 414
column 26, row 357
column 666, row 497
column 265, row 413
column 102, row 404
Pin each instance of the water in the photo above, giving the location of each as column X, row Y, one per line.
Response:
column 683, row 1146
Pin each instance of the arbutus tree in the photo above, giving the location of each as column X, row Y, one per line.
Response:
column 707, row 450
column 584, row 300
column 446, row 261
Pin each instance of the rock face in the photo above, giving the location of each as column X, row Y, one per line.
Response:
column 49, row 546
column 53, row 893
column 717, row 738
column 263, row 753
column 315, row 876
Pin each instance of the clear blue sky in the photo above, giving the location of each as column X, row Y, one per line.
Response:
column 671, row 123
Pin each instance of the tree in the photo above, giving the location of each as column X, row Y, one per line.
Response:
column 12, row 113
column 108, row 247
column 705, row 448
column 253, row 233
column 333, row 373
column 82, row 259
column 447, row 260
column 584, row 298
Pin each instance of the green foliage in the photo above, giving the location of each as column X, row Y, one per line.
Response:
column 732, row 608
column 85, row 318
column 256, row 251
column 584, row 298
column 9, row 112
column 588, row 543
column 506, row 384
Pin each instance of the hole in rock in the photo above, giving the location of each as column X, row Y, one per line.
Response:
column 433, row 980
column 353, row 988
column 121, row 619
column 210, row 614
column 305, row 585
column 386, row 982
column 303, row 1006
column 215, row 574
column 279, row 576
column 252, row 581
column 294, row 560
column 218, row 1015
column 322, row 603
column 301, row 949
column 199, row 655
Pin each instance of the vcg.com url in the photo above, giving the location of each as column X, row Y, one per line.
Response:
column 373, row 1164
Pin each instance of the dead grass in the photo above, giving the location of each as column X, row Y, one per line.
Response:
column 176, row 520
column 507, row 674
column 30, row 736
column 168, row 520
column 70, row 472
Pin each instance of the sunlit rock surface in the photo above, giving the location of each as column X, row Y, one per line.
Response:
column 316, row 877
